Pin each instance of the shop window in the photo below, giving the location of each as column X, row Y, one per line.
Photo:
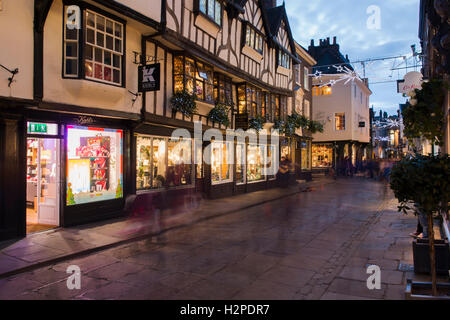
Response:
column 254, row 39
column 283, row 59
column 339, row 121
column 223, row 89
column 151, row 163
column 94, row 164
column 240, row 163
column 179, row 169
column 221, row 168
column 276, row 106
column 194, row 77
column 103, row 49
column 305, row 155
column 199, row 160
column 322, row 90
column 255, row 163
column 212, row 9
column 322, row 155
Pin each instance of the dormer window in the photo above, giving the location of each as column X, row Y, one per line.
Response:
column 212, row 9
column 283, row 59
column 254, row 39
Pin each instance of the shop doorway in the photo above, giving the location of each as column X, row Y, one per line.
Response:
column 43, row 184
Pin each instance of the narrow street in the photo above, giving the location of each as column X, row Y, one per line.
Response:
column 313, row 245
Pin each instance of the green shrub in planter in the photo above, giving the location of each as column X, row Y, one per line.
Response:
column 256, row 123
column 315, row 126
column 422, row 184
column 183, row 102
column 219, row 114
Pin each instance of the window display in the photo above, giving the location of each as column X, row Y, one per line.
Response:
column 94, row 164
column 179, row 169
column 322, row 155
column 240, row 163
column 221, row 167
column 150, row 163
column 306, row 154
column 255, row 163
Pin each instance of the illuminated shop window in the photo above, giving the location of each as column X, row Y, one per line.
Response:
column 94, row 164
column 255, row 163
column 305, row 155
column 322, row 155
column 221, row 160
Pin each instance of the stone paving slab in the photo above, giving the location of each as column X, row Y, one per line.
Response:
column 42, row 249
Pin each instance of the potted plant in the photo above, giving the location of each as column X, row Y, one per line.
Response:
column 219, row 114
column 183, row 102
column 422, row 184
column 256, row 123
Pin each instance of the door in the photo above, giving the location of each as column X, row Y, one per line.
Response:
column 48, row 181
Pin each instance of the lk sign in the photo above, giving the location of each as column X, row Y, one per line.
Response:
column 149, row 77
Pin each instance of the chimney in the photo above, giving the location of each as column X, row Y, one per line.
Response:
column 328, row 41
column 312, row 42
column 346, row 57
column 334, row 40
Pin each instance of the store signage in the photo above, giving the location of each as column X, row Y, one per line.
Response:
column 149, row 77
column 83, row 120
column 412, row 80
column 37, row 127
column 241, row 121
column 362, row 124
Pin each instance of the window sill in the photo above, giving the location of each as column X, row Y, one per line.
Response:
column 284, row 71
column 207, row 25
column 252, row 53
column 218, row 183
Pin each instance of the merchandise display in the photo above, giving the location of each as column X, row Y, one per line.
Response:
column 322, row 155
column 255, row 163
column 94, row 163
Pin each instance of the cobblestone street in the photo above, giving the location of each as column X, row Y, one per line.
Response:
column 312, row 245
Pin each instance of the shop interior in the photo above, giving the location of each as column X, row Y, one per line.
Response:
column 42, row 199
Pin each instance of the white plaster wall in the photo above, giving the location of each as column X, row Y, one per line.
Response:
column 81, row 92
column 149, row 8
column 16, row 37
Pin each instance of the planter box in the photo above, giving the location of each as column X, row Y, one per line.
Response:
column 421, row 256
column 422, row 291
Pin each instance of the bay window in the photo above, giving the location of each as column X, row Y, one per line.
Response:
column 223, row 89
column 254, row 39
column 194, row 77
column 212, row 9
column 102, row 46
column 251, row 100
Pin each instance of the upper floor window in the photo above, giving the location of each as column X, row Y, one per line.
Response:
column 254, row 39
column 223, row 89
column 250, row 100
column 297, row 71
column 102, row 49
column 193, row 76
column 306, row 77
column 212, row 9
column 322, row 91
column 283, row 59
column 339, row 121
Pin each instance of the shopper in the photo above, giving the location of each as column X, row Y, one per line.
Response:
column 283, row 172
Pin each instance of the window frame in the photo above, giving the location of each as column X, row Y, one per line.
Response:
column 230, row 148
column 82, row 34
column 336, row 115
column 223, row 88
column 306, row 78
column 263, row 168
column 205, row 14
column 166, row 161
column 193, row 77
column 257, row 38
column 244, row 164
column 283, row 59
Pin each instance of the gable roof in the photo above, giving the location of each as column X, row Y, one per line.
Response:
column 273, row 18
column 327, row 55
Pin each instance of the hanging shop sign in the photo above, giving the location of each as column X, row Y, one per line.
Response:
column 412, row 80
column 149, row 77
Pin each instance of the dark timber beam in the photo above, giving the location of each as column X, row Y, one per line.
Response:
column 41, row 9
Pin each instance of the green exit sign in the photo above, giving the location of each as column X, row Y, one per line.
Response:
column 37, row 127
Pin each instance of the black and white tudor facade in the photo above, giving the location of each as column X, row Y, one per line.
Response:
column 79, row 142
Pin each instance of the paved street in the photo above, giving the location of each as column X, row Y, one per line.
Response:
column 312, row 245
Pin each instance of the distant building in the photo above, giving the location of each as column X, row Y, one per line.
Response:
column 386, row 136
column 341, row 105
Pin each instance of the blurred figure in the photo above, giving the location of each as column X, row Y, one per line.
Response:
column 283, row 172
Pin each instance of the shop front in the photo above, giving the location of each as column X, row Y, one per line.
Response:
column 304, row 156
column 322, row 156
column 75, row 172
